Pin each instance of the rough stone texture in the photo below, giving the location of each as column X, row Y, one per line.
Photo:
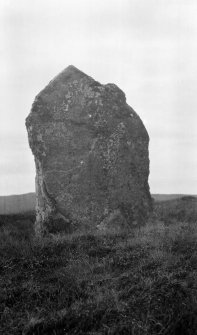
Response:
column 91, row 154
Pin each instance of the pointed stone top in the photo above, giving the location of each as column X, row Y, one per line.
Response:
column 70, row 73
column 72, row 68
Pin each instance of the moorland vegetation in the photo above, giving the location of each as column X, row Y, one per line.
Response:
column 138, row 282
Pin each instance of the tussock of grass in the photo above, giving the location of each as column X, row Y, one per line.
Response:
column 144, row 282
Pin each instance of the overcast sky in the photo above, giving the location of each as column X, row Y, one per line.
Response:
column 147, row 47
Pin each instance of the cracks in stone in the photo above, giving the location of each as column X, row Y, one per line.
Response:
column 53, row 205
column 49, row 198
column 66, row 171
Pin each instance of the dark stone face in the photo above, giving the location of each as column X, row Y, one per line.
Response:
column 91, row 154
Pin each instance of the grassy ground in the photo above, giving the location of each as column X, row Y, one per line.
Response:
column 139, row 283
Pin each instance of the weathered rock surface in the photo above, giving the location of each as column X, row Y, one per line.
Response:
column 91, row 154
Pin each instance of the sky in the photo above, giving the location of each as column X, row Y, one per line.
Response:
column 147, row 48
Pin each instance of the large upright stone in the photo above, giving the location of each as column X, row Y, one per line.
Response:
column 91, row 154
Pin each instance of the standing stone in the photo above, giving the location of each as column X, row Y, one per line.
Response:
column 91, row 155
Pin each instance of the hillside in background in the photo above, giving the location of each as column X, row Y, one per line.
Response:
column 13, row 204
column 166, row 197
column 21, row 203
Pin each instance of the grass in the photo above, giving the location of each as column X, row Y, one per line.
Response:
column 141, row 283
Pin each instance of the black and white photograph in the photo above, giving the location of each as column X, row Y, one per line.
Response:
column 98, row 167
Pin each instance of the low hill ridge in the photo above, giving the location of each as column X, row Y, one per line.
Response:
column 21, row 203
